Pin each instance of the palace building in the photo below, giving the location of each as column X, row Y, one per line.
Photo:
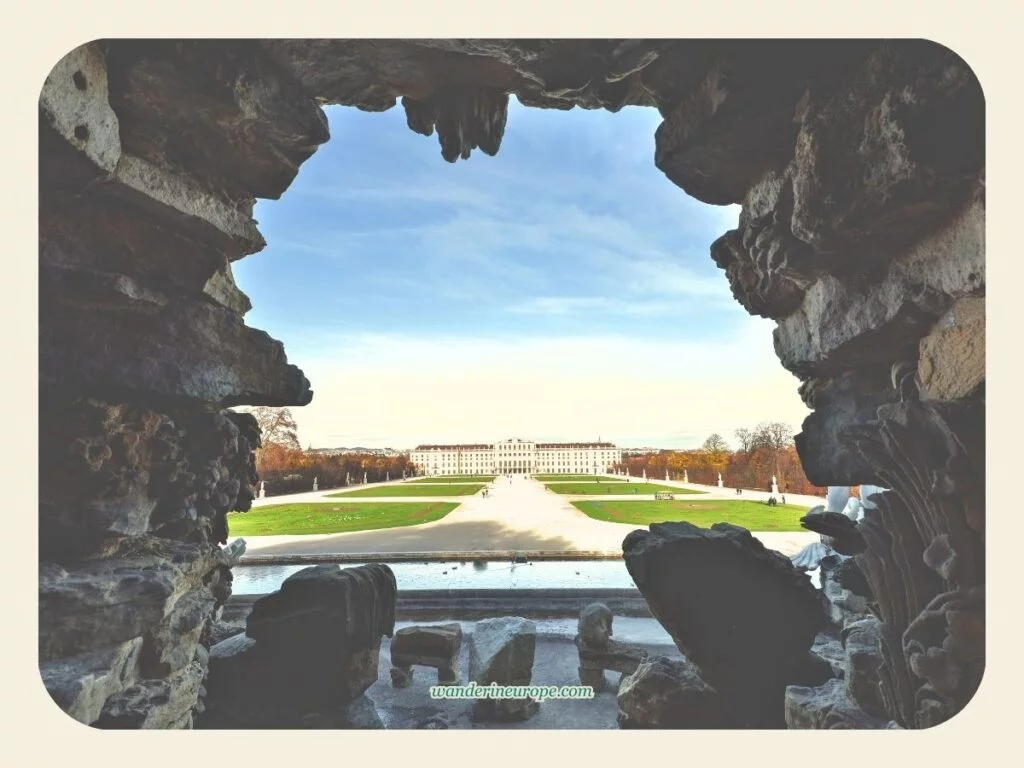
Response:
column 516, row 457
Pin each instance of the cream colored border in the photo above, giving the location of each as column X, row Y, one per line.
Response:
column 38, row 34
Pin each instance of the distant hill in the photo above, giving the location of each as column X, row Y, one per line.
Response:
column 357, row 449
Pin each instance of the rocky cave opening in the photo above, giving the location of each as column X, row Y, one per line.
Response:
column 859, row 168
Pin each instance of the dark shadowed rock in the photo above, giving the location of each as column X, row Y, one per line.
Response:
column 741, row 612
column 847, row 591
column 308, row 651
column 828, row 707
column 667, row 693
column 429, row 646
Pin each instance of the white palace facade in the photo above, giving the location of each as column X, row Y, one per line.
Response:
column 516, row 457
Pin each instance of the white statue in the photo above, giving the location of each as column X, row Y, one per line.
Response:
column 645, row 474
column 315, row 484
column 720, row 483
column 686, row 476
column 387, row 478
column 263, row 489
column 836, row 498
column 666, row 475
column 866, row 492
column 853, row 509
column 775, row 486
column 364, row 478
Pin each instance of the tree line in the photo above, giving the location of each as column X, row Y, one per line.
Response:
column 760, row 452
column 286, row 468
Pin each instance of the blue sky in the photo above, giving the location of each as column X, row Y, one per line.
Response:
column 561, row 290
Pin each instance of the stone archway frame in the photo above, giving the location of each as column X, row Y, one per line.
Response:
column 859, row 166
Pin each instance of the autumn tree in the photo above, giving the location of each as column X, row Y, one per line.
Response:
column 715, row 444
column 277, row 428
column 746, row 439
column 775, row 437
column 716, row 452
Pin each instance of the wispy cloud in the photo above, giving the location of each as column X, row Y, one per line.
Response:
column 400, row 390
column 560, row 289
column 564, row 305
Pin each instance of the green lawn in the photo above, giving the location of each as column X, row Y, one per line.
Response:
column 411, row 489
column 752, row 515
column 455, row 479
column 593, row 489
column 577, row 478
column 324, row 517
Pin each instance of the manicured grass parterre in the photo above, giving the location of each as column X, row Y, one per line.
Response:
column 455, row 479
column 577, row 478
column 325, row 517
column 752, row 515
column 411, row 489
column 593, row 489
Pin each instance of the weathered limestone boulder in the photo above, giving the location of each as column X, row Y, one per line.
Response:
column 828, row 647
column 598, row 651
column 828, row 707
column 857, row 696
column 82, row 684
column 952, row 356
column 309, row 650
column 221, row 630
column 864, row 665
column 667, row 693
column 160, row 703
column 845, row 588
column 501, row 651
column 431, row 646
column 741, row 612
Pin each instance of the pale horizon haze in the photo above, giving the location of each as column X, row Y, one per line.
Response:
column 560, row 291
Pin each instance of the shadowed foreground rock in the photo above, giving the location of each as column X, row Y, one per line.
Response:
column 667, row 693
column 741, row 612
column 828, row 707
column 436, row 647
column 309, row 652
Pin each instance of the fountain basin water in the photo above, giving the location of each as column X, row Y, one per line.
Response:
column 466, row 575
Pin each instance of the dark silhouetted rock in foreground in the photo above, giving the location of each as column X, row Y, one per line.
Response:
column 667, row 693
column 309, row 651
column 741, row 612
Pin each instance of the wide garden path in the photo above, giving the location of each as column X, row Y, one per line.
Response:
column 518, row 515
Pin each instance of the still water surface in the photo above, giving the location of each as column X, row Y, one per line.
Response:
column 493, row 574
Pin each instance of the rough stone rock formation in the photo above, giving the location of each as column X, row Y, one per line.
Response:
column 859, row 166
column 501, row 651
column 744, row 614
column 847, row 591
column 309, row 652
column 667, row 693
column 436, row 647
column 598, row 651
column 855, row 697
column 828, row 707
